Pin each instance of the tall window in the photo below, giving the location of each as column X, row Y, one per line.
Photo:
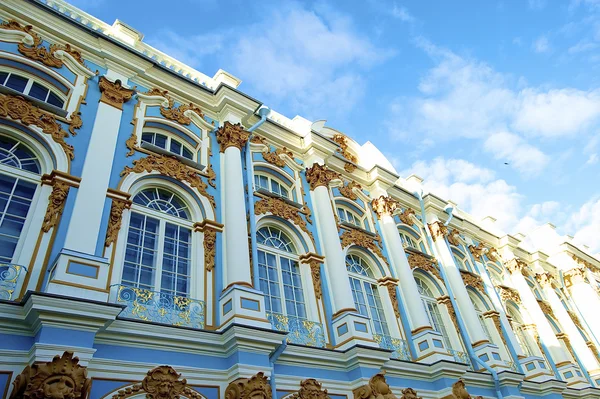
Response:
column 365, row 294
column 433, row 312
column 158, row 252
column 30, row 87
column 517, row 326
column 479, row 310
column 271, row 185
column 19, row 176
column 279, row 273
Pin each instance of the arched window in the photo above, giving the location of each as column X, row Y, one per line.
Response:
column 279, row 273
column 461, row 261
column 517, row 326
column 365, row 293
column 268, row 183
column 433, row 312
column 348, row 216
column 168, row 143
column 411, row 239
column 480, row 309
column 19, row 177
column 158, row 251
column 30, row 86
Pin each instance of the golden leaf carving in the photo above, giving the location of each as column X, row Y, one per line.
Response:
column 56, row 204
column 172, row 167
column 17, row 108
column 545, row 279
column 67, row 48
column 493, row 255
column 473, row 280
column 459, row 391
column 230, row 135
column 131, row 143
column 406, row 216
column 409, row 393
column 546, row 308
column 256, row 139
column 417, row 260
column 391, row 285
column 212, row 176
column 445, row 300
column 114, row 221
column 585, row 263
column 61, row 378
column 508, row 294
column 516, row 265
column 574, row 275
column 162, row 382
column 342, row 141
column 310, row 389
column 256, row 387
column 175, row 113
column 377, row 388
column 319, row 175
column 384, row 206
column 347, row 190
column 113, row 93
column 210, row 248
column 575, row 319
column 314, row 261
column 274, row 157
column 453, row 237
column 437, row 230
column 282, row 209
column 349, row 167
column 477, row 251
column 75, row 122
column 357, row 237
column 37, row 51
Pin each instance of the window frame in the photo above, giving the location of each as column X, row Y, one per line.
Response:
column 346, row 210
column 31, row 79
column 270, row 179
column 195, row 151
column 429, row 302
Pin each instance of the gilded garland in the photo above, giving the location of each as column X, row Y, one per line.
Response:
column 357, row 237
column 114, row 222
column 319, row 175
column 282, row 209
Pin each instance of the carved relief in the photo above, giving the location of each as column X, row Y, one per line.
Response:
column 349, row 167
column 56, row 204
column 453, row 237
column 114, row 222
column 410, row 393
column 256, row 139
column 275, row 157
column 377, row 388
column 445, row 300
column 162, row 382
column 545, row 279
column 585, row 264
column 177, row 114
column 384, row 206
column 437, row 230
column 472, row 280
column 517, row 265
column 17, row 108
column 318, row 175
column 575, row 319
column 508, row 294
column 256, row 387
column 113, row 93
column 416, row 260
column 314, row 261
column 310, row 389
column 574, row 275
column 477, row 251
column 391, row 284
column 362, row 239
column 210, row 248
column 347, row 190
column 230, row 135
column 279, row 207
column 459, row 391
column 172, row 167
column 62, row 378
column 493, row 255
column 407, row 216
column 342, row 141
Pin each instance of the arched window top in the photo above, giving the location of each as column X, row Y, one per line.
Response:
column 269, row 182
column 275, row 238
column 423, row 288
column 347, row 215
column 163, row 201
column 32, row 86
column 356, row 264
column 168, row 143
column 14, row 153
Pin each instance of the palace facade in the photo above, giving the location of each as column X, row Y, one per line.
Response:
column 165, row 235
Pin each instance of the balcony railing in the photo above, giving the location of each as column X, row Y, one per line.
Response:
column 158, row 307
column 10, row 278
column 397, row 345
column 300, row 331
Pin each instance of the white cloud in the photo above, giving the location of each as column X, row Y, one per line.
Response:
column 592, row 160
column 541, row 45
column 522, row 156
column 190, row 50
column 586, row 225
column 402, row 14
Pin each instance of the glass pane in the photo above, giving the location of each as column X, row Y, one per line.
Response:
column 175, row 147
column 160, row 141
column 16, row 82
column 55, row 100
column 15, row 200
column 147, row 137
column 14, row 153
column 3, row 76
column 140, row 252
column 187, row 153
column 38, row 91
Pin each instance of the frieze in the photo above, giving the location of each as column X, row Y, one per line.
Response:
column 407, row 216
column 282, row 209
column 256, row 387
column 61, row 378
column 357, row 237
column 384, row 206
column 113, row 93
column 417, row 260
column 377, row 388
column 473, row 280
column 584, row 263
column 275, row 157
column 347, row 190
column 114, row 221
column 342, row 141
column 310, row 389
column 319, row 175
column 172, row 167
column 314, row 261
column 232, row 135
column 477, row 251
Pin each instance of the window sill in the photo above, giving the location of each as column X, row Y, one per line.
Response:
column 162, row 151
column 38, row 103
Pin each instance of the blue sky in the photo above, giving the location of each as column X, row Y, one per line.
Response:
column 449, row 90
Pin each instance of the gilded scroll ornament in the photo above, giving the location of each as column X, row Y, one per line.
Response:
column 275, row 157
column 256, row 139
column 230, row 135
column 75, row 122
column 437, row 230
column 391, row 284
column 493, row 255
column 174, row 113
column 113, row 93
column 453, row 237
column 282, row 209
column 131, row 143
column 314, row 261
column 17, row 108
column 256, row 387
column 407, row 216
column 349, row 167
column 56, row 204
column 172, row 167
column 384, row 206
column 342, row 141
column 416, row 260
column 516, row 265
column 357, row 237
column 545, row 279
column 508, row 294
column 36, row 51
column 473, row 280
column 310, row 389
column 478, row 251
column 62, row 378
column 445, row 300
column 67, row 48
column 319, row 175
column 459, row 391
column 114, row 221
column 347, row 190
column 162, row 382
column 377, row 388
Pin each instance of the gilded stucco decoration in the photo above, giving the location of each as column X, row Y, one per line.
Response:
column 210, row 230
column 114, row 221
column 347, row 190
column 314, row 261
column 256, row 387
column 17, row 108
column 232, row 135
column 75, row 122
column 391, row 284
column 445, row 300
column 342, row 141
column 574, row 275
column 545, row 279
column 172, row 167
column 495, row 316
column 516, row 265
column 546, row 308
column 384, row 206
column 357, row 237
column 575, row 319
column 310, row 389
column 282, row 209
column 407, row 216
column 61, row 378
column 174, row 113
column 349, row 167
column 162, row 382
column 567, row 341
column 493, row 255
column 508, row 294
column 477, row 251
column 56, row 204
column 377, row 388
column 453, row 237
column 417, row 260
column 256, row 139
column 113, row 93
column 472, row 280
column 585, row 263
column 535, row 334
column 437, row 230
column 459, row 391
column 409, row 393
column 593, row 349
column 319, row 175
column 275, row 157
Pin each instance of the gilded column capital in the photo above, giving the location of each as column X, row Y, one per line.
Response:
column 516, row 265
column 493, row 255
column 545, row 279
column 437, row 230
column 232, row 135
column 478, row 251
column 314, row 261
column 319, row 175
column 113, row 93
column 574, row 276
column 384, row 206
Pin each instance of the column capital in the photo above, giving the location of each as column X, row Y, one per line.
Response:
column 319, row 175
column 384, row 206
column 508, row 293
column 493, row 255
column 437, row 230
column 478, row 251
column 113, row 93
column 545, row 279
column 232, row 135
column 517, row 265
column 574, row 276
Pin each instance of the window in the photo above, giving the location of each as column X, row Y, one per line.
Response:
column 279, row 273
column 158, row 251
column 461, row 262
column 271, row 185
column 347, row 216
column 168, row 143
column 31, row 88
column 407, row 240
column 365, row 294
column 517, row 326
column 433, row 312
column 19, row 176
column 479, row 311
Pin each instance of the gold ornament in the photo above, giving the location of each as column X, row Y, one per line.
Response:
column 377, row 388
column 391, row 284
column 406, row 216
column 545, row 279
column 114, row 222
column 349, row 167
column 230, row 135
column 256, row 387
column 453, row 237
column 162, row 382
column 495, row 316
column 357, row 237
column 274, row 157
column 437, row 230
column 310, row 389
column 546, row 308
column 282, row 209
column 417, row 260
column 342, row 141
column 318, row 175
column 178, row 113
column 493, row 255
column 477, row 251
column 473, row 280
column 314, row 261
column 445, row 300
column 576, row 274
column 210, row 229
column 459, row 391
column 508, row 294
column 347, row 190
column 113, row 93
column 256, row 139
column 517, row 265
column 575, row 319
column 409, row 393
column 56, row 204
column 384, row 206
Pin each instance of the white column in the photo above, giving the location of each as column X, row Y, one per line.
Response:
column 586, row 299
column 84, row 227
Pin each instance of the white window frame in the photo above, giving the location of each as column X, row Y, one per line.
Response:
column 33, row 78
column 170, row 137
column 270, row 179
column 429, row 302
column 347, row 211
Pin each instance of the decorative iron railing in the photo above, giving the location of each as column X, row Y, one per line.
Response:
column 158, row 307
column 397, row 345
column 513, row 366
column 460, row 357
column 9, row 280
column 300, row 331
